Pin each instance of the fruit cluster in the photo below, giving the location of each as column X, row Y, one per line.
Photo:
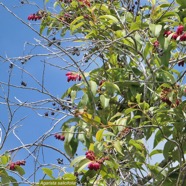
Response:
column 165, row 97
column 90, row 155
column 94, row 164
column 18, row 163
column 73, row 77
column 178, row 34
column 181, row 63
column 85, row 2
column 59, row 137
column 34, row 17
column 156, row 44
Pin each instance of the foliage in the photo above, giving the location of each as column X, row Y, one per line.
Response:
column 135, row 94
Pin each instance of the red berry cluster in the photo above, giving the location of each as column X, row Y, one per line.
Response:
column 164, row 97
column 73, row 77
column 90, row 155
column 34, row 17
column 179, row 33
column 156, row 44
column 85, row 2
column 59, row 137
column 95, row 164
column 18, row 163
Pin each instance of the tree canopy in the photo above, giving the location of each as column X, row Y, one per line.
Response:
column 125, row 72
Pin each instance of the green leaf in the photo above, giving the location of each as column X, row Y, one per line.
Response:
column 48, row 172
column 147, row 49
column 111, row 88
column 20, row 170
column 129, row 110
column 138, row 144
column 118, row 147
column 70, row 134
column 73, row 95
column 155, row 29
column 82, row 164
column 158, row 138
column 68, row 149
column 76, row 160
column 74, row 144
column 75, row 27
column 5, row 180
column 75, row 87
column 84, row 100
column 138, row 98
column 109, row 17
column 13, row 181
column 182, row 3
column 99, row 135
column 93, row 87
column 4, row 160
column 156, row 151
column 69, row 176
column 104, row 101
column 168, row 148
column 55, row 4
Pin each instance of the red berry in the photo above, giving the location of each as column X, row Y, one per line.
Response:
column 96, row 166
column 91, row 166
column 183, row 37
column 62, row 137
column 69, row 73
column 177, row 102
column 59, row 137
column 101, row 82
column 12, row 166
column 180, row 29
column 156, row 44
column 174, row 36
column 167, row 33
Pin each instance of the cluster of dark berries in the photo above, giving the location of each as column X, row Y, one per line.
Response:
column 73, row 77
column 179, row 34
column 181, row 63
column 34, row 17
column 75, row 51
column 54, row 41
column 66, row 1
column 132, row 7
column 59, row 137
column 23, row 83
column 18, row 163
column 94, row 164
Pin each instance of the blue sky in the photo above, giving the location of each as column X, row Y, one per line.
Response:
column 13, row 37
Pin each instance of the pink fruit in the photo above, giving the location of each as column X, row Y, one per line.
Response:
column 180, row 29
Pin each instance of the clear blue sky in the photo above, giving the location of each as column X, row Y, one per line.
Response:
column 12, row 41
